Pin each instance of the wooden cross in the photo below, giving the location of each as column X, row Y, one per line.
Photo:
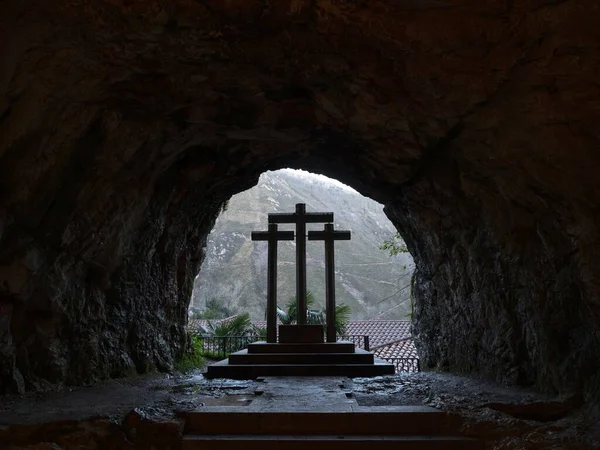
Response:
column 329, row 236
column 272, row 237
column 300, row 218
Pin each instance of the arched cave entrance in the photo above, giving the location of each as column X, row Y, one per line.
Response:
column 371, row 282
column 125, row 126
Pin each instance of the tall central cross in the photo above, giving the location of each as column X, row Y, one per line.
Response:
column 300, row 218
column 329, row 235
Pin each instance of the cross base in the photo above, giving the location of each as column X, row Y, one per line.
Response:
column 300, row 359
column 300, row 334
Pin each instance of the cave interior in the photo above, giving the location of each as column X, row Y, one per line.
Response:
column 125, row 126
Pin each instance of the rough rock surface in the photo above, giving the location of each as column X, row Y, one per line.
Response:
column 125, row 125
column 487, row 411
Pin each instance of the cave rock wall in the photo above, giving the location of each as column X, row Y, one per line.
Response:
column 124, row 126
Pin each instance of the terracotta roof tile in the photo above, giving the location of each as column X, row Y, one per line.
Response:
column 380, row 332
column 400, row 349
column 198, row 324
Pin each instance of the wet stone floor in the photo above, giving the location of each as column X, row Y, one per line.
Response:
column 506, row 418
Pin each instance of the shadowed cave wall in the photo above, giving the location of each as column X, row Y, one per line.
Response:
column 125, row 125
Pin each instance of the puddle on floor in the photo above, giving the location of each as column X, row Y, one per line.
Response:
column 229, row 400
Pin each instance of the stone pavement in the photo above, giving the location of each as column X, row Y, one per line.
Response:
column 288, row 411
column 302, row 394
column 294, row 394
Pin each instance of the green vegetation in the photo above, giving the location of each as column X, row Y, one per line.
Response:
column 289, row 316
column 261, row 332
column 193, row 358
column 225, row 337
column 232, row 335
column 314, row 316
column 240, row 325
column 342, row 317
column 394, row 245
column 215, row 309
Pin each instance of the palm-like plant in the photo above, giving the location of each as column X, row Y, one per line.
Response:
column 233, row 333
column 284, row 317
column 238, row 326
column 260, row 332
column 342, row 317
column 314, row 316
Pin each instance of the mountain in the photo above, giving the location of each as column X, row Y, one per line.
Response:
column 367, row 278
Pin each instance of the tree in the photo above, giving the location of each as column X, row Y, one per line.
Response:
column 214, row 309
column 394, row 245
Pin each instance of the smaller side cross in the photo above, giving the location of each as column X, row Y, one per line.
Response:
column 272, row 237
column 329, row 236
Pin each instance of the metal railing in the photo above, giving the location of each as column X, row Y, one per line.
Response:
column 219, row 347
column 405, row 364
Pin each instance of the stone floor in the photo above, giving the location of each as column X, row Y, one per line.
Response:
column 507, row 418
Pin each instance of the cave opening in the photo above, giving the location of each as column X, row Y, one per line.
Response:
column 117, row 153
column 372, row 282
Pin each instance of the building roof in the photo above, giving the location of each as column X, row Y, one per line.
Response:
column 202, row 324
column 404, row 348
column 380, row 332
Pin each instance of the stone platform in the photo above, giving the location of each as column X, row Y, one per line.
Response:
column 294, row 413
column 290, row 359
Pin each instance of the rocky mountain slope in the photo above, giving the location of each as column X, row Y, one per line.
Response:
column 367, row 278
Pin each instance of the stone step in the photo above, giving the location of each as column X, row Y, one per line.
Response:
column 223, row 369
column 406, row 420
column 325, row 347
column 334, row 442
column 244, row 357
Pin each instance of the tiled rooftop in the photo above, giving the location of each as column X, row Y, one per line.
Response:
column 199, row 324
column 400, row 349
column 380, row 332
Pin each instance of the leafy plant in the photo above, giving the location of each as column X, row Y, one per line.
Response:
column 215, row 309
column 314, row 316
column 394, row 245
column 192, row 359
column 342, row 318
column 237, row 326
column 289, row 316
column 261, row 332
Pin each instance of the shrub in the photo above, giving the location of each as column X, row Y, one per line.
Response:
column 192, row 359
